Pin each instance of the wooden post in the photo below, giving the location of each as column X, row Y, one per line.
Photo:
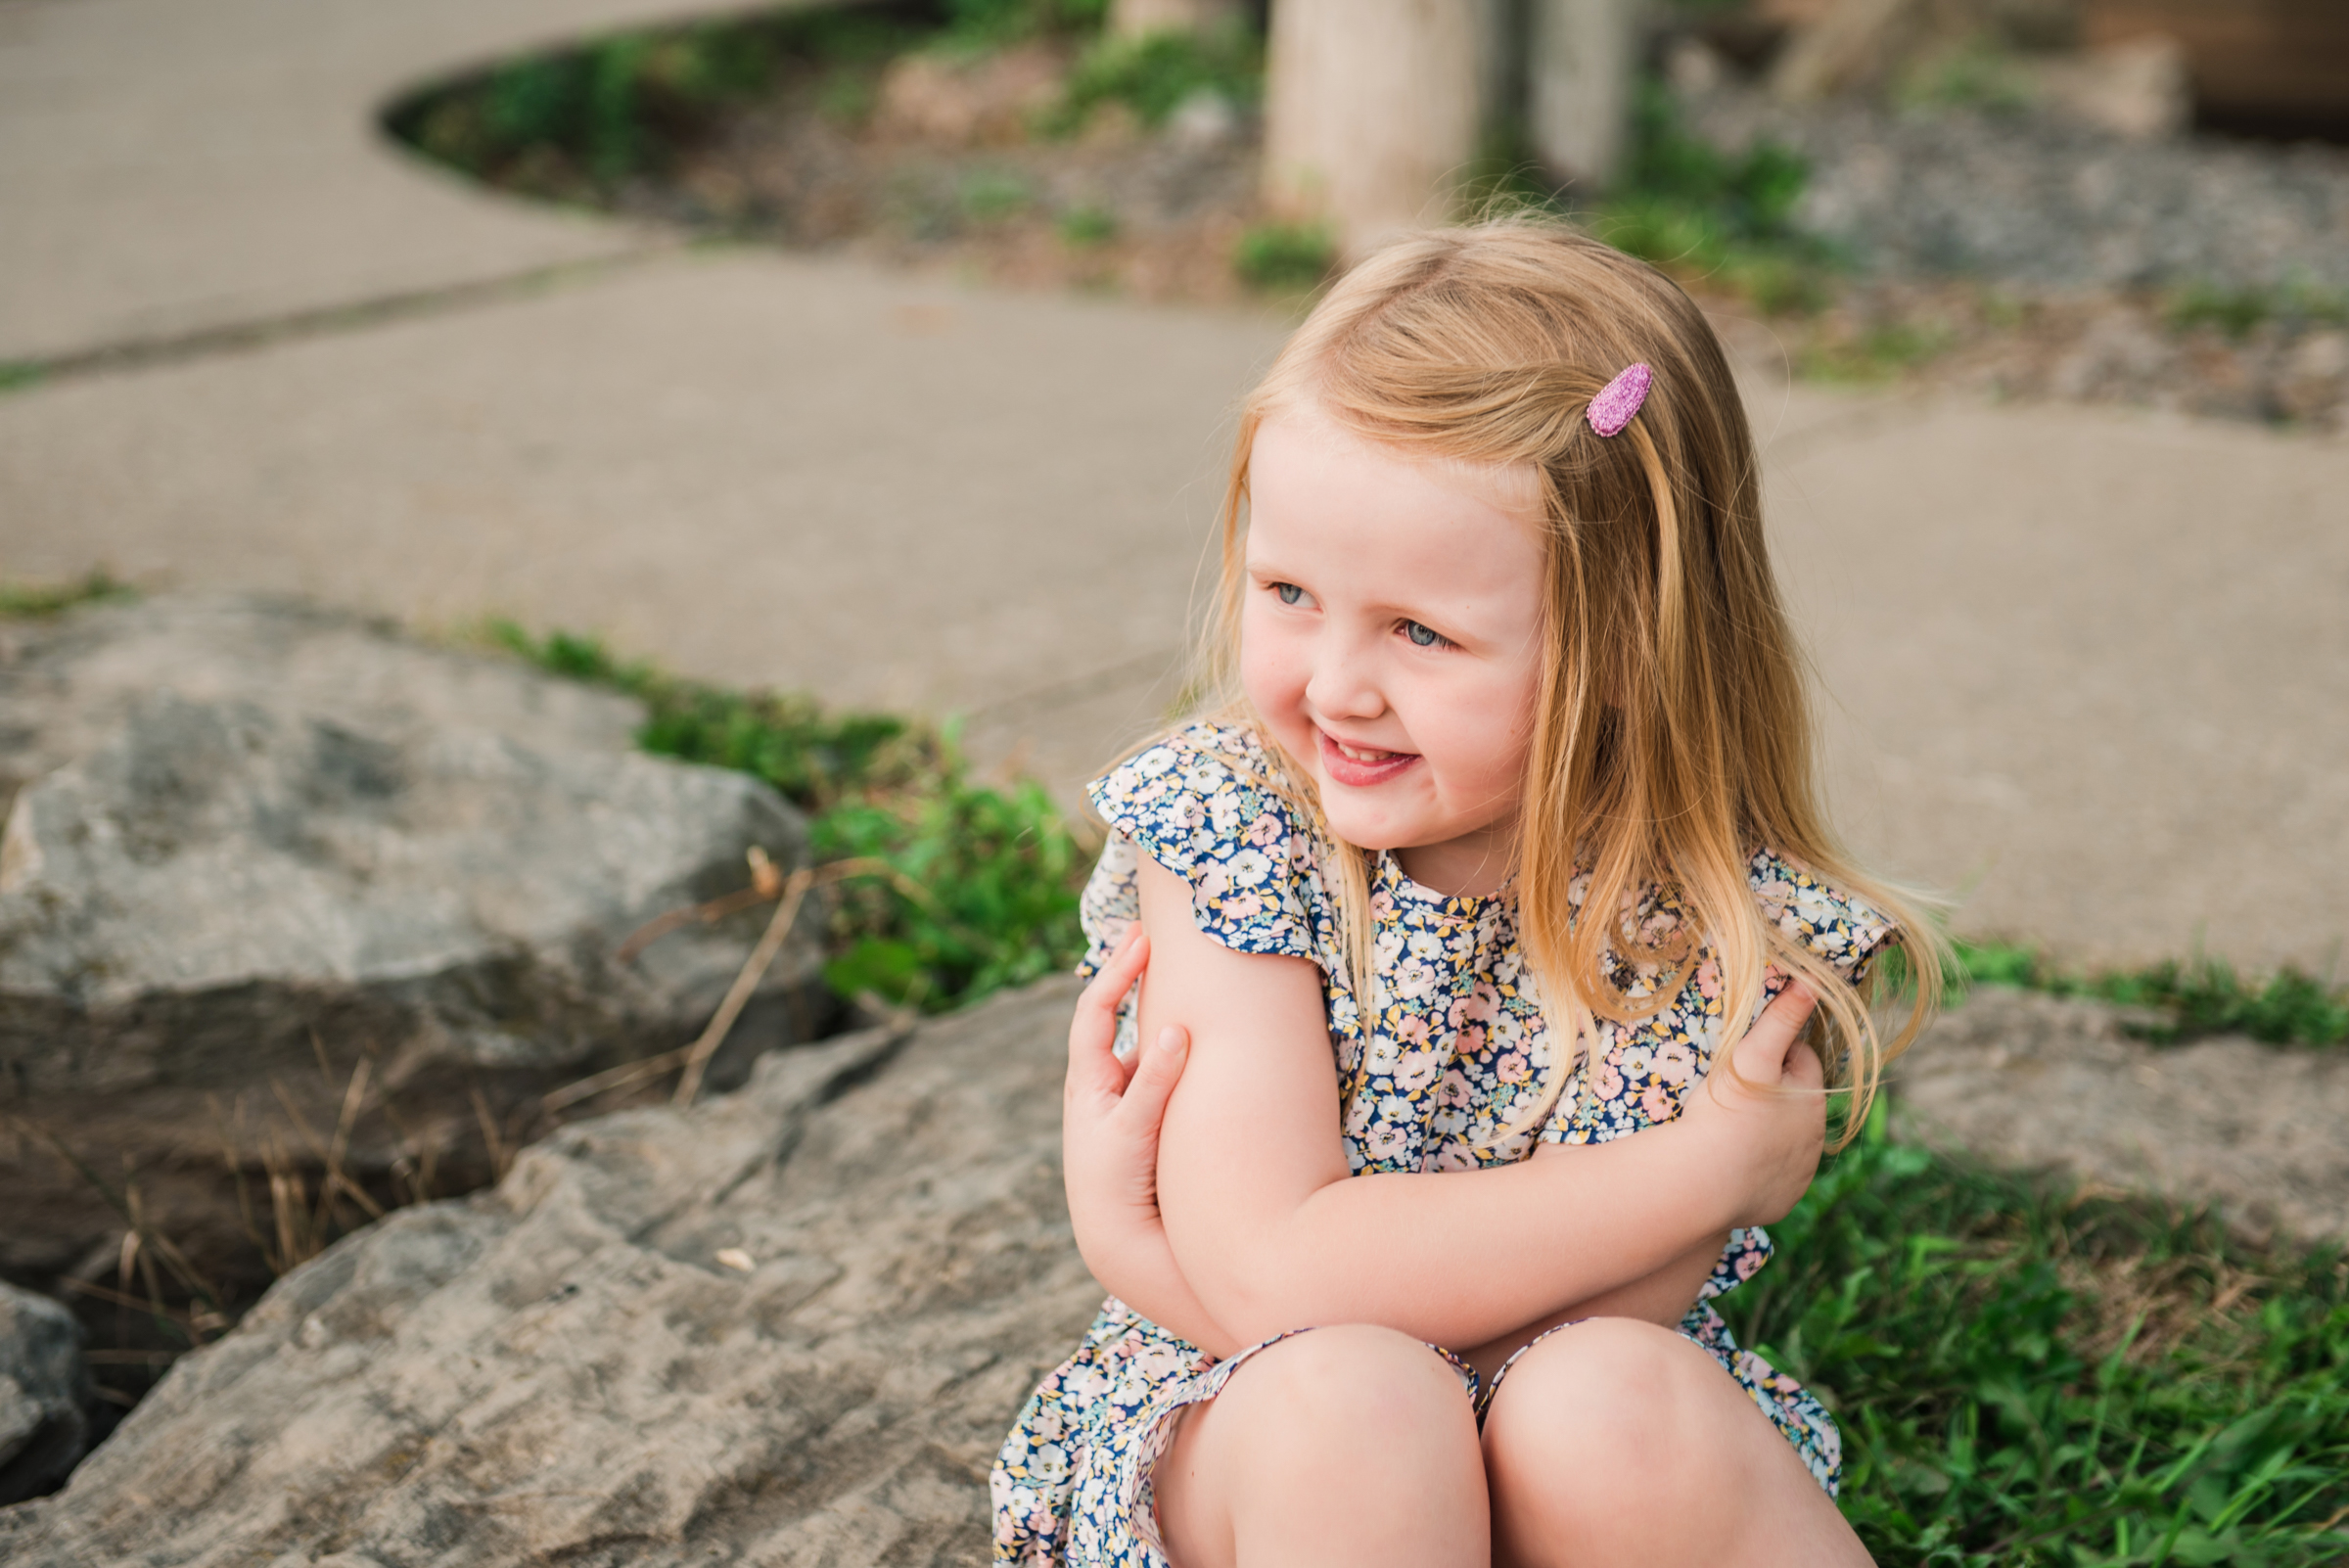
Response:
column 1129, row 17
column 1372, row 110
column 1578, row 95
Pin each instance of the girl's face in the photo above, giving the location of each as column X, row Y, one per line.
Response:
column 1390, row 636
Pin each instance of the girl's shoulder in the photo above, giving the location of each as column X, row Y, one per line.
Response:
column 1841, row 928
column 1205, row 804
column 1206, row 790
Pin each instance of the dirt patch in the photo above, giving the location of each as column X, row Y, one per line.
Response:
column 2036, row 1081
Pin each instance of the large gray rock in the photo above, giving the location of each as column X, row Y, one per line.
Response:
column 789, row 1325
column 45, row 1393
column 2029, row 1081
column 254, row 843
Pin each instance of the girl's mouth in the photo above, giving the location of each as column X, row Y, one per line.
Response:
column 1359, row 766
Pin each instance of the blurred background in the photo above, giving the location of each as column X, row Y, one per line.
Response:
column 847, row 388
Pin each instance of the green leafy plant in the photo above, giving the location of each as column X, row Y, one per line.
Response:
column 1287, row 257
column 984, row 883
column 1688, row 207
column 1154, row 72
column 2022, row 1377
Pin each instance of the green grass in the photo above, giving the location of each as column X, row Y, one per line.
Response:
column 2200, row 997
column 985, row 891
column 590, row 117
column 1285, row 257
column 2022, row 1380
column 53, row 598
column 1876, row 353
column 2236, row 313
column 992, row 196
column 1084, row 227
column 20, row 374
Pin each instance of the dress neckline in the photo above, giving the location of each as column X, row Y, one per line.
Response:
column 1404, row 889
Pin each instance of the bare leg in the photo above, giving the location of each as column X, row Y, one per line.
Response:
column 1349, row 1446
column 1616, row 1444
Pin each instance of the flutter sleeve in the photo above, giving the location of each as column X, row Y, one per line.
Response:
column 1640, row 1073
column 1845, row 931
column 1200, row 805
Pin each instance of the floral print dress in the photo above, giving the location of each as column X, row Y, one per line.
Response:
column 1429, row 1073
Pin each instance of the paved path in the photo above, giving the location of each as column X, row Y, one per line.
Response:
column 2090, row 667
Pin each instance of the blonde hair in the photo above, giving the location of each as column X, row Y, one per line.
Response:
column 1671, row 736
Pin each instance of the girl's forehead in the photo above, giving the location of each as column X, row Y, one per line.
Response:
column 1302, row 436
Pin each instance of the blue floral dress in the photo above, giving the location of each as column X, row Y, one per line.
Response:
column 1446, row 1054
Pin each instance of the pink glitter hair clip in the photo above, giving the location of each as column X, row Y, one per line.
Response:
column 1618, row 399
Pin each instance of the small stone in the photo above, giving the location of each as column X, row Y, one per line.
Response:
column 1206, row 118
column 45, row 1395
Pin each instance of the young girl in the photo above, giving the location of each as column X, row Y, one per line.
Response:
column 1502, row 828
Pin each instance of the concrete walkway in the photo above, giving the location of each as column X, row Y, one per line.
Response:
column 2089, row 669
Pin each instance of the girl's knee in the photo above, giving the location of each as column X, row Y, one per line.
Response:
column 1356, row 1383
column 1616, row 1403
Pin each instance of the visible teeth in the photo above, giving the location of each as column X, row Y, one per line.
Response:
column 1361, row 756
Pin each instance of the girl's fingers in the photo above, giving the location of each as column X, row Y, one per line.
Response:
column 1093, row 1065
column 1094, row 1032
column 1154, row 1078
column 1762, row 1053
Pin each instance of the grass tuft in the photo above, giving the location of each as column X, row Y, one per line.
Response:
column 1286, row 257
column 2200, row 997
column 2024, row 1379
column 96, row 587
column 987, row 897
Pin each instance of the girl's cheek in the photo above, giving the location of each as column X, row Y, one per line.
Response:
column 1273, row 674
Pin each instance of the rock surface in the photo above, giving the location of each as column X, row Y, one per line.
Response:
column 45, row 1393
column 579, row 1368
column 2043, row 1082
column 255, row 843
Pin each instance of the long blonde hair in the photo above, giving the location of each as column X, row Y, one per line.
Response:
column 1671, row 736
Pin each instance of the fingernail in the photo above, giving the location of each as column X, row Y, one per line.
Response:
column 1171, row 1039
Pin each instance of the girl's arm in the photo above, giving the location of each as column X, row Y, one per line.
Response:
column 1270, row 1232
column 1111, row 1111
column 1111, row 1115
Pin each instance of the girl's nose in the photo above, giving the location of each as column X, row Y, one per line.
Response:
column 1342, row 687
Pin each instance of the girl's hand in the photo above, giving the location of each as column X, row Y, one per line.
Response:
column 1111, row 1111
column 1773, row 1108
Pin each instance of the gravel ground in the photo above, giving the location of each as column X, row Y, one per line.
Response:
column 2023, row 256
column 2032, row 201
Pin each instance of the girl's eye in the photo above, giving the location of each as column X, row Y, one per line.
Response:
column 1423, row 636
column 1289, row 592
